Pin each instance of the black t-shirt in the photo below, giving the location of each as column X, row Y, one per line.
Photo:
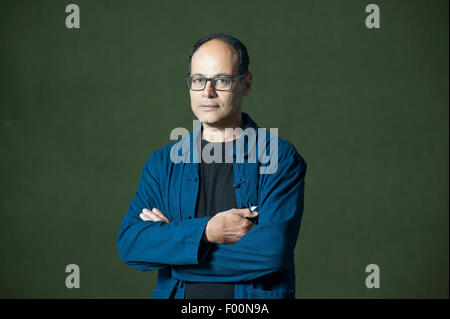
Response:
column 216, row 194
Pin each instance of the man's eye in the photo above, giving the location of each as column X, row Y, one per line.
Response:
column 197, row 80
column 224, row 80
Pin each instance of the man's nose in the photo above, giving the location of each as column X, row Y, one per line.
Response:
column 209, row 90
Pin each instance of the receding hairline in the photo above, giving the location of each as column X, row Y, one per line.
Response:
column 236, row 44
column 234, row 52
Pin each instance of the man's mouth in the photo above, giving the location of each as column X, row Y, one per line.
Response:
column 209, row 106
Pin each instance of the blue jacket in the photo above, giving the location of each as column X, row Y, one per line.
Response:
column 261, row 263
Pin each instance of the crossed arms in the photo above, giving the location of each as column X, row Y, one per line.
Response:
column 150, row 239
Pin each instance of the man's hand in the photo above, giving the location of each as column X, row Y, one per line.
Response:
column 229, row 226
column 154, row 215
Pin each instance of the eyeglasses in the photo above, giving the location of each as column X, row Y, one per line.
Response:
column 219, row 83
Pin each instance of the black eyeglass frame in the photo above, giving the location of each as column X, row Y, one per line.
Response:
column 234, row 78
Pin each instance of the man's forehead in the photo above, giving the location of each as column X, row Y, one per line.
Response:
column 212, row 75
column 214, row 68
column 217, row 45
column 214, row 57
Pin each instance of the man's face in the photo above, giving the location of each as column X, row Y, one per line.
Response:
column 218, row 108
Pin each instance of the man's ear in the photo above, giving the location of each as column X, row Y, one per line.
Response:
column 247, row 82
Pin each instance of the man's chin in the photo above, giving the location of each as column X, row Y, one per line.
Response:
column 210, row 119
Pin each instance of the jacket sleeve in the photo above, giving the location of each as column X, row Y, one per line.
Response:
column 269, row 246
column 148, row 245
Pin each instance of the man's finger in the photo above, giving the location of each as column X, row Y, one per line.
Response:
column 160, row 214
column 151, row 216
column 246, row 212
column 144, row 217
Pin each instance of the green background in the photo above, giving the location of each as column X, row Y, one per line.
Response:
column 81, row 110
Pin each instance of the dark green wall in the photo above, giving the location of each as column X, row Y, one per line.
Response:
column 81, row 111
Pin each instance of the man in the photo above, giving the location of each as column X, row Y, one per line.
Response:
column 226, row 227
